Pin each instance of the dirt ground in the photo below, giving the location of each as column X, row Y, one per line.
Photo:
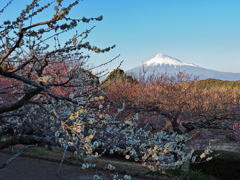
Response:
column 24, row 168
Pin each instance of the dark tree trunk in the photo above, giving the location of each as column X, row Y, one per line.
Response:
column 175, row 126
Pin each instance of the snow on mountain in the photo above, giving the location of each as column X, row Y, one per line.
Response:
column 162, row 59
column 162, row 63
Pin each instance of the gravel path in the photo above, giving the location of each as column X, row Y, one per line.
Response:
column 23, row 168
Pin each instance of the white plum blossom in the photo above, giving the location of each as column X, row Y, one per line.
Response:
column 209, row 158
column 110, row 167
column 203, row 155
column 127, row 177
column 96, row 177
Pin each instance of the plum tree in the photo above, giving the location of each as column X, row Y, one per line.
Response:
column 48, row 96
column 181, row 100
column 43, row 81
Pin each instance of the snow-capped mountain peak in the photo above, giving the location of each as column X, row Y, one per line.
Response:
column 162, row 59
column 162, row 63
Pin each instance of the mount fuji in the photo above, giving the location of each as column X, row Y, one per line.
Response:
column 162, row 59
column 162, row 63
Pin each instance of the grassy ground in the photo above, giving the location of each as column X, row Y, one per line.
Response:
column 54, row 153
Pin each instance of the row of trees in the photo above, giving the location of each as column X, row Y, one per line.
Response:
column 181, row 100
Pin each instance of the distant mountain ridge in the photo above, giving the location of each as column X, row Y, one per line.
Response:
column 162, row 63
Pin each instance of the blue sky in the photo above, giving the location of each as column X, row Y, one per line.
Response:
column 203, row 32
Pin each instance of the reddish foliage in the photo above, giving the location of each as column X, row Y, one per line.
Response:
column 171, row 99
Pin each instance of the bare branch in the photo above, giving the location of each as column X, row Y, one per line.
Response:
column 20, row 102
column 15, row 156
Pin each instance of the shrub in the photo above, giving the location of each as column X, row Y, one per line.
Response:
column 225, row 166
